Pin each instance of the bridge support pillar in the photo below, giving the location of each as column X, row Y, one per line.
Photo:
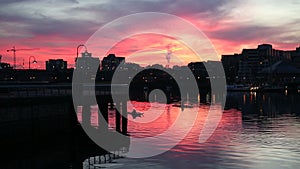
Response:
column 86, row 112
column 118, row 117
column 124, row 117
column 103, row 114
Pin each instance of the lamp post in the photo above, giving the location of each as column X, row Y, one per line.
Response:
column 81, row 45
column 34, row 61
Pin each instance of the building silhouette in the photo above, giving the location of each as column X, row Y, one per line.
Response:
column 231, row 66
column 5, row 66
column 295, row 57
column 87, row 66
column 58, row 65
column 246, row 66
column 280, row 73
column 111, row 62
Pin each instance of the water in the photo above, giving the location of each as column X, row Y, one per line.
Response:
column 256, row 131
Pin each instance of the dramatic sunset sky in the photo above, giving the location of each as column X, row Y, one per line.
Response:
column 57, row 27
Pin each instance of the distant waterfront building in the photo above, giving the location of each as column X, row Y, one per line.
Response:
column 6, row 72
column 111, row 62
column 244, row 67
column 197, row 66
column 214, row 69
column 5, row 66
column 252, row 62
column 295, row 57
column 87, row 62
column 198, row 70
column 280, row 73
column 231, row 66
column 87, row 66
column 206, row 70
column 58, row 65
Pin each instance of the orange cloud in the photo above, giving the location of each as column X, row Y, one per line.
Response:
column 149, row 49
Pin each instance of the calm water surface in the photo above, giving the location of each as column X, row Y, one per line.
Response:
column 256, row 131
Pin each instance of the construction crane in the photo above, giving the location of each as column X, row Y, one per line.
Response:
column 13, row 49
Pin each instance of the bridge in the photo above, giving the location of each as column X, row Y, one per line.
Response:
column 29, row 107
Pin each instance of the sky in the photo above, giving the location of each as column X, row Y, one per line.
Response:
column 53, row 28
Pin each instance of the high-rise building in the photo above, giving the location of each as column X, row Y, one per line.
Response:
column 245, row 67
column 254, row 60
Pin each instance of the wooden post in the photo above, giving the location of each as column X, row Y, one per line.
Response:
column 103, row 117
column 86, row 115
column 118, row 117
column 203, row 98
column 124, row 117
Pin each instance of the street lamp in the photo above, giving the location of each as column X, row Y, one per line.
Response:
column 34, row 61
column 81, row 45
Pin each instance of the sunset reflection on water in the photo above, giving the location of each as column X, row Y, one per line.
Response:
column 251, row 134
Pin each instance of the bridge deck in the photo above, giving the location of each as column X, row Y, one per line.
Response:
column 55, row 90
